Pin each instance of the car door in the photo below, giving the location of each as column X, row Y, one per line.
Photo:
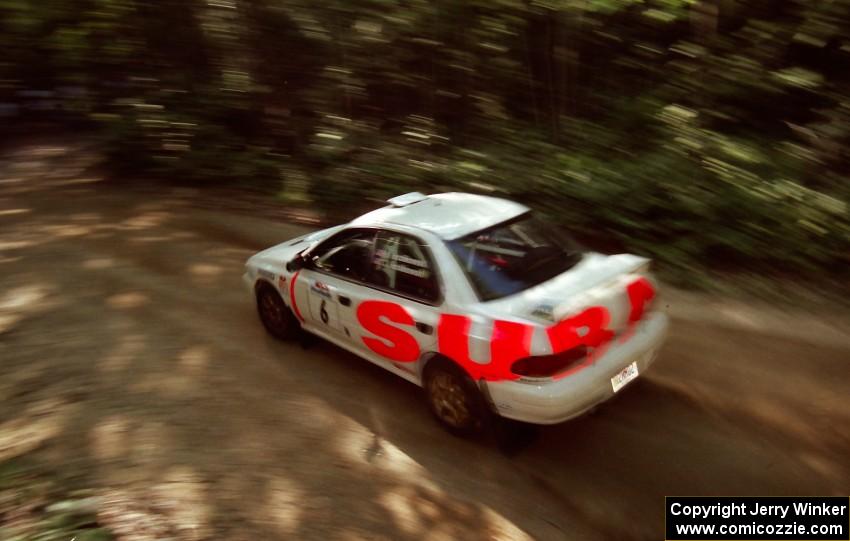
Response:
column 392, row 317
column 334, row 267
column 377, row 294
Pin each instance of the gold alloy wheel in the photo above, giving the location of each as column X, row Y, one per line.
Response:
column 449, row 399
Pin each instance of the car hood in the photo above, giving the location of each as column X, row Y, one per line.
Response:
column 596, row 280
column 286, row 250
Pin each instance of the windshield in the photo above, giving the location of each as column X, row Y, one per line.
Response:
column 514, row 256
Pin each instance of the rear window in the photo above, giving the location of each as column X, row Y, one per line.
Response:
column 513, row 256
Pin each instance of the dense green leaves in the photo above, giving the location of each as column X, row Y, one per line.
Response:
column 707, row 133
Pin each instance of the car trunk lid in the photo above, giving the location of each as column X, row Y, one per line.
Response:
column 597, row 280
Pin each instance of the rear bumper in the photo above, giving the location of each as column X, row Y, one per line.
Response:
column 556, row 401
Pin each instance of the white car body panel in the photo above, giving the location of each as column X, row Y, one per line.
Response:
column 596, row 280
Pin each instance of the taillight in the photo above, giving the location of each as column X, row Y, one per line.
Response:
column 548, row 365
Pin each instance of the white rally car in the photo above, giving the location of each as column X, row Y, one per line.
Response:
column 473, row 299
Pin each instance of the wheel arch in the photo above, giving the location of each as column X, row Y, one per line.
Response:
column 427, row 359
column 433, row 358
column 261, row 283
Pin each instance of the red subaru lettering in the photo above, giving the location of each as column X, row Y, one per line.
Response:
column 640, row 293
column 509, row 342
column 371, row 314
column 588, row 328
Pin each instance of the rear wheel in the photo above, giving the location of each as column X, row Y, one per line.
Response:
column 453, row 398
column 277, row 318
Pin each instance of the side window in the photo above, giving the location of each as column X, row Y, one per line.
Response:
column 401, row 264
column 347, row 254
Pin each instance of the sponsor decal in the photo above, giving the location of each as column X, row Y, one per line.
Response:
column 320, row 288
column 509, row 341
column 281, row 282
column 419, row 273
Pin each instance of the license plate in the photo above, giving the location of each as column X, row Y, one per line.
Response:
column 626, row 375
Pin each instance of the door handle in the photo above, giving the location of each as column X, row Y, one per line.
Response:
column 345, row 301
column 424, row 328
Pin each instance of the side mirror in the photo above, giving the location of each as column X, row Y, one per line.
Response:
column 296, row 263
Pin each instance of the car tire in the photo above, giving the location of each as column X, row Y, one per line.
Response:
column 276, row 316
column 453, row 398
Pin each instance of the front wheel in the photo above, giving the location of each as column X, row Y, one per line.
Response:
column 277, row 318
column 453, row 398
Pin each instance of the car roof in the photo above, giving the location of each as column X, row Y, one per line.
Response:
column 448, row 215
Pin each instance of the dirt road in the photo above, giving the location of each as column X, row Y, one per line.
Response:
column 131, row 356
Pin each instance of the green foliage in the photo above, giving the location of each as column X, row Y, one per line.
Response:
column 708, row 134
column 33, row 506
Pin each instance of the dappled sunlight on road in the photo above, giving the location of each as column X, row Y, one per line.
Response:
column 127, row 301
column 110, row 438
column 187, row 373
column 98, row 263
column 205, row 273
column 31, row 428
column 127, row 349
column 13, row 212
column 182, row 491
column 173, row 505
column 18, row 302
column 145, row 220
column 285, row 502
column 23, row 298
column 65, row 230
column 133, row 361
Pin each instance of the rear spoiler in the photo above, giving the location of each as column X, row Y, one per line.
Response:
column 407, row 199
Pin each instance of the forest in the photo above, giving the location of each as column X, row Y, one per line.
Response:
column 710, row 134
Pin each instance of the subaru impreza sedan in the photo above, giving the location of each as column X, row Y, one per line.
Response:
column 473, row 298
